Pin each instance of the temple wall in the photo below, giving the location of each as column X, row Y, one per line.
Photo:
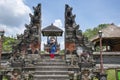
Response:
column 108, row 57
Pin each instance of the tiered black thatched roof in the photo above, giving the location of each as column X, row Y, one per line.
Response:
column 52, row 31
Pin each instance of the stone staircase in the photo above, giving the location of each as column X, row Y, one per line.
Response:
column 47, row 69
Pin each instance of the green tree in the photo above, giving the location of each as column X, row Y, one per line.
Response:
column 7, row 43
column 92, row 32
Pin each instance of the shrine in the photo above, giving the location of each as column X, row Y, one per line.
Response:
column 52, row 32
column 110, row 40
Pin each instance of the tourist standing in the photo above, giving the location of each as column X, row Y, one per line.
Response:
column 52, row 48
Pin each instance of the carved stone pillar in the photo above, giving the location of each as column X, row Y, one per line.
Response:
column 1, row 36
column 0, row 50
column 36, row 27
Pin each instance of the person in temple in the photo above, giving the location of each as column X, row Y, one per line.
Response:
column 52, row 48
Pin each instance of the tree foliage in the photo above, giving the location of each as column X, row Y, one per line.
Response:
column 7, row 43
column 92, row 32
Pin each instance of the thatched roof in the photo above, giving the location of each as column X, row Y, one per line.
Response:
column 52, row 31
column 110, row 32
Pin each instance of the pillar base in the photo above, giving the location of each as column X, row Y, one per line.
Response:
column 102, row 76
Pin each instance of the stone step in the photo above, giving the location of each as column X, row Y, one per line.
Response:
column 51, row 68
column 56, row 57
column 47, row 69
column 51, row 72
column 51, row 77
column 48, row 57
column 54, row 60
column 51, row 64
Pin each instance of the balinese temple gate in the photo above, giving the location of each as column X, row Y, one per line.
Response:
column 27, row 62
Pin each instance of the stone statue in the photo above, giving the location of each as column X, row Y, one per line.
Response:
column 37, row 10
column 85, row 56
column 68, row 10
column 15, row 76
column 34, row 30
column 36, row 17
column 32, row 17
column 69, row 17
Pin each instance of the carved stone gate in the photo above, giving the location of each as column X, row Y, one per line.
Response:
column 78, row 50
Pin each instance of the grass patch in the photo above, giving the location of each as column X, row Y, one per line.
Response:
column 111, row 75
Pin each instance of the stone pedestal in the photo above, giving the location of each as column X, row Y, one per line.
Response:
column 1, row 76
column 102, row 76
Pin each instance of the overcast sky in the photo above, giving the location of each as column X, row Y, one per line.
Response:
column 89, row 13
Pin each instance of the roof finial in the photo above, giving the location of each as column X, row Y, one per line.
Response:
column 112, row 24
column 51, row 24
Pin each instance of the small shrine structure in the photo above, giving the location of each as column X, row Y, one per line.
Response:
column 110, row 49
column 52, row 31
column 110, row 38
